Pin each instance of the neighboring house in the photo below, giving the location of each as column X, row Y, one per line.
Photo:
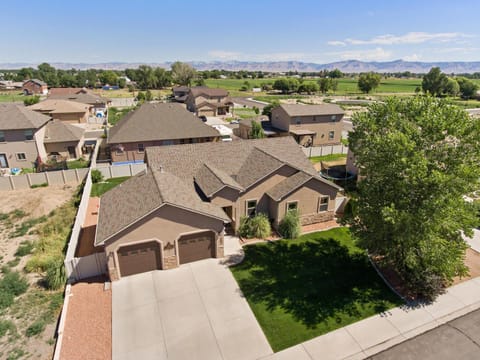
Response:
column 245, row 128
column 177, row 211
column 64, row 110
column 63, row 140
column 99, row 104
column 21, row 136
column 35, row 87
column 204, row 101
column 10, row 85
column 180, row 93
column 156, row 124
column 310, row 125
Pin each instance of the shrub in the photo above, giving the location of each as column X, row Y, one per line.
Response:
column 31, row 100
column 56, row 276
column 289, row 227
column 6, row 326
column 6, row 299
column 25, row 248
column 425, row 284
column 36, row 328
column 255, row 227
column 34, row 186
column 96, row 176
column 13, row 283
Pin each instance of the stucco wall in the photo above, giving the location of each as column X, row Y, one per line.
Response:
column 15, row 143
column 62, row 149
column 72, row 117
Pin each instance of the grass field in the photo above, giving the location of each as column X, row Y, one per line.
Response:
column 300, row 289
column 101, row 188
column 330, row 157
column 11, row 96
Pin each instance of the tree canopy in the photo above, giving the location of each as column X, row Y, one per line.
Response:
column 182, row 73
column 286, row 85
column 257, row 131
column 434, row 82
column 418, row 157
column 369, row 81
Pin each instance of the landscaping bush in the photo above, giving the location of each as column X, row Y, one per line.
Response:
column 6, row 299
column 255, row 227
column 425, row 284
column 25, row 248
column 96, row 176
column 36, row 328
column 34, row 186
column 56, row 276
column 6, row 326
column 13, row 283
column 289, row 227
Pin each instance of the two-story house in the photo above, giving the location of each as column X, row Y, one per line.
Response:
column 63, row 110
column 35, row 87
column 310, row 125
column 204, row 101
column 21, row 136
column 156, row 124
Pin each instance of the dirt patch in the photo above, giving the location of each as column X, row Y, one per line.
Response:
column 22, row 211
column 90, row 307
column 472, row 260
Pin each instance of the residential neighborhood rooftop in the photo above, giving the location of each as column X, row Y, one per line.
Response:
column 57, row 106
column 311, row 110
column 199, row 90
column 58, row 131
column 16, row 117
column 159, row 121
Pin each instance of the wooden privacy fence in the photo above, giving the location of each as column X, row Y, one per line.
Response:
column 60, row 177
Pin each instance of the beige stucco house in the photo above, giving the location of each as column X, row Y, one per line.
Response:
column 63, row 140
column 156, row 124
column 310, row 125
column 98, row 104
column 63, row 110
column 204, row 101
column 21, row 136
column 191, row 194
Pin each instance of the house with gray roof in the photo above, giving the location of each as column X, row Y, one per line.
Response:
column 205, row 101
column 310, row 125
column 190, row 195
column 63, row 140
column 156, row 124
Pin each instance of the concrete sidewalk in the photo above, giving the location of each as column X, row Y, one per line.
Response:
column 370, row 336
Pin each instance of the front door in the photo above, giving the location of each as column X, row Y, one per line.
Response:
column 71, row 152
column 3, row 161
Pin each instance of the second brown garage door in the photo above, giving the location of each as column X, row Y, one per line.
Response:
column 197, row 246
column 135, row 259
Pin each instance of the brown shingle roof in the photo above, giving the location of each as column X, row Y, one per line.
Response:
column 66, row 91
column 140, row 195
column 152, row 122
column 56, row 106
column 232, row 158
column 84, row 98
column 210, row 180
column 203, row 90
column 288, row 185
column 36, row 81
column 16, row 117
column 311, row 110
column 58, row 131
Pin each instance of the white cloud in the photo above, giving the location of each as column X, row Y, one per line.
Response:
column 223, row 55
column 377, row 54
column 413, row 57
column 458, row 50
column 408, row 38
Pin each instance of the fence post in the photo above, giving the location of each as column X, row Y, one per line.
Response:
column 130, row 168
column 110, row 171
column 63, row 177
column 12, row 183
column 29, row 181
column 47, row 180
column 76, row 175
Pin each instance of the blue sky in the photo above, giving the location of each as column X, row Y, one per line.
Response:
column 261, row 30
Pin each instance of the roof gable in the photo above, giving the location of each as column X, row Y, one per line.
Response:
column 17, row 117
column 312, row 110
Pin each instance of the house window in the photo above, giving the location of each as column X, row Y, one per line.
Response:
column 334, row 117
column 21, row 156
column 2, row 136
column 331, row 135
column 28, row 134
column 141, row 148
column 323, row 204
column 167, row 142
column 251, row 208
column 298, row 121
column 292, row 205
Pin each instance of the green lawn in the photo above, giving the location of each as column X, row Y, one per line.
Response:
column 115, row 114
column 78, row 164
column 300, row 289
column 245, row 113
column 330, row 157
column 101, row 188
column 11, row 96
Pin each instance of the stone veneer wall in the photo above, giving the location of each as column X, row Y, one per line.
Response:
column 316, row 218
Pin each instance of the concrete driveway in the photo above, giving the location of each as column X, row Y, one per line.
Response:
column 194, row 312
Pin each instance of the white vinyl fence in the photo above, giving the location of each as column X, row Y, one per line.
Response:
column 17, row 182
column 113, row 171
column 325, row 150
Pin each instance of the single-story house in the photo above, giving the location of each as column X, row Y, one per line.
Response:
column 64, row 110
column 35, row 87
column 310, row 125
column 64, row 140
column 178, row 211
column 98, row 104
column 204, row 101
column 156, row 124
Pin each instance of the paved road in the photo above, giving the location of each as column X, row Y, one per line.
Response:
column 248, row 103
column 458, row 339
column 193, row 312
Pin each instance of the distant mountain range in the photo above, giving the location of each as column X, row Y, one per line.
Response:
column 348, row 66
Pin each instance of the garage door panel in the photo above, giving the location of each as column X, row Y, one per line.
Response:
column 196, row 247
column 139, row 258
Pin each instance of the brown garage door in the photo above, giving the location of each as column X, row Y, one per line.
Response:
column 196, row 247
column 139, row 258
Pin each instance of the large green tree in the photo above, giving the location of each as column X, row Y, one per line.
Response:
column 434, row 82
column 256, row 132
column 368, row 82
column 286, row 85
column 182, row 73
column 468, row 89
column 418, row 157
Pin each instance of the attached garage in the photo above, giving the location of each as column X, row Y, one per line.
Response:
column 196, row 246
column 138, row 258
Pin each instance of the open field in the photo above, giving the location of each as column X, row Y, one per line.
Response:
column 11, row 96
column 303, row 288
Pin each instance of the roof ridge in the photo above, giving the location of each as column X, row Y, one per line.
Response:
column 157, row 186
